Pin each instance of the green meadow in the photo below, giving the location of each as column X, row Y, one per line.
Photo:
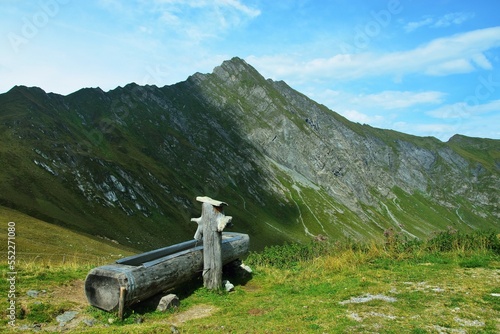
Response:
column 449, row 283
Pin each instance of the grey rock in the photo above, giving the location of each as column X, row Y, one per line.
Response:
column 66, row 317
column 367, row 298
column 33, row 293
column 89, row 322
column 228, row 286
column 167, row 302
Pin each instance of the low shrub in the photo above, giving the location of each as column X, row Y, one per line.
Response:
column 397, row 245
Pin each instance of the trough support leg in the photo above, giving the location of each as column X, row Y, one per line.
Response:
column 121, row 302
column 212, row 256
column 213, row 220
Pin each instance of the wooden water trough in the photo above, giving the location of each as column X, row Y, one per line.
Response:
column 138, row 277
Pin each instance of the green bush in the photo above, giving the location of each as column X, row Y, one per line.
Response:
column 456, row 241
column 397, row 242
column 288, row 255
column 396, row 245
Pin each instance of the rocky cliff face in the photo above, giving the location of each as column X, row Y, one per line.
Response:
column 355, row 164
column 128, row 163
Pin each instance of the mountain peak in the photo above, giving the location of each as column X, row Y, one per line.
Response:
column 237, row 69
column 26, row 89
column 235, row 61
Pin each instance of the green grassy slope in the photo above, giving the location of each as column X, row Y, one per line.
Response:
column 38, row 243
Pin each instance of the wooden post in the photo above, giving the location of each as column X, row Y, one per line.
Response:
column 212, row 222
column 121, row 303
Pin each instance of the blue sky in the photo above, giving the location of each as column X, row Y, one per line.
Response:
column 428, row 68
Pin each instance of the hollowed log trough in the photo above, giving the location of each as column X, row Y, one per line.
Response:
column 141, row 276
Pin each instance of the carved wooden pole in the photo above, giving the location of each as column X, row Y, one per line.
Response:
column 210, row 226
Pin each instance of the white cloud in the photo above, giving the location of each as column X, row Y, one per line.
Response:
column 453, row 66
column 380, row 109
column 460, row 53
column 356, row 116
column 231, row 4
column 479, row 120
column 251, row 12
column 411, row 26
column 387, row 100
column 227, row 9
column 191, row 21
column 439, row 22
column 481, row 61
column 442, row 131
column 405, row 99
column 464, row 110
column 452, row 18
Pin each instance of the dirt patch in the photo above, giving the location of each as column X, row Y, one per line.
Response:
column 251, row 287
column 73, row 292
column 195, row 312
column 256, row 311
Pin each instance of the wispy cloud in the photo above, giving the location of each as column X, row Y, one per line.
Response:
column 378, row 109
column 399, row 99
column 452, row 19
column 460, row 53
column 439, row 22
column 411, row 26
column 464, row 110
column 386, row 100
column 442, row 131
column 206, row 17
column 194, row 20
column 359, row 117
column 454, row 118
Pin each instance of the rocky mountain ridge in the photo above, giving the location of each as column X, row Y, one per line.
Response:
column 128, row 163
